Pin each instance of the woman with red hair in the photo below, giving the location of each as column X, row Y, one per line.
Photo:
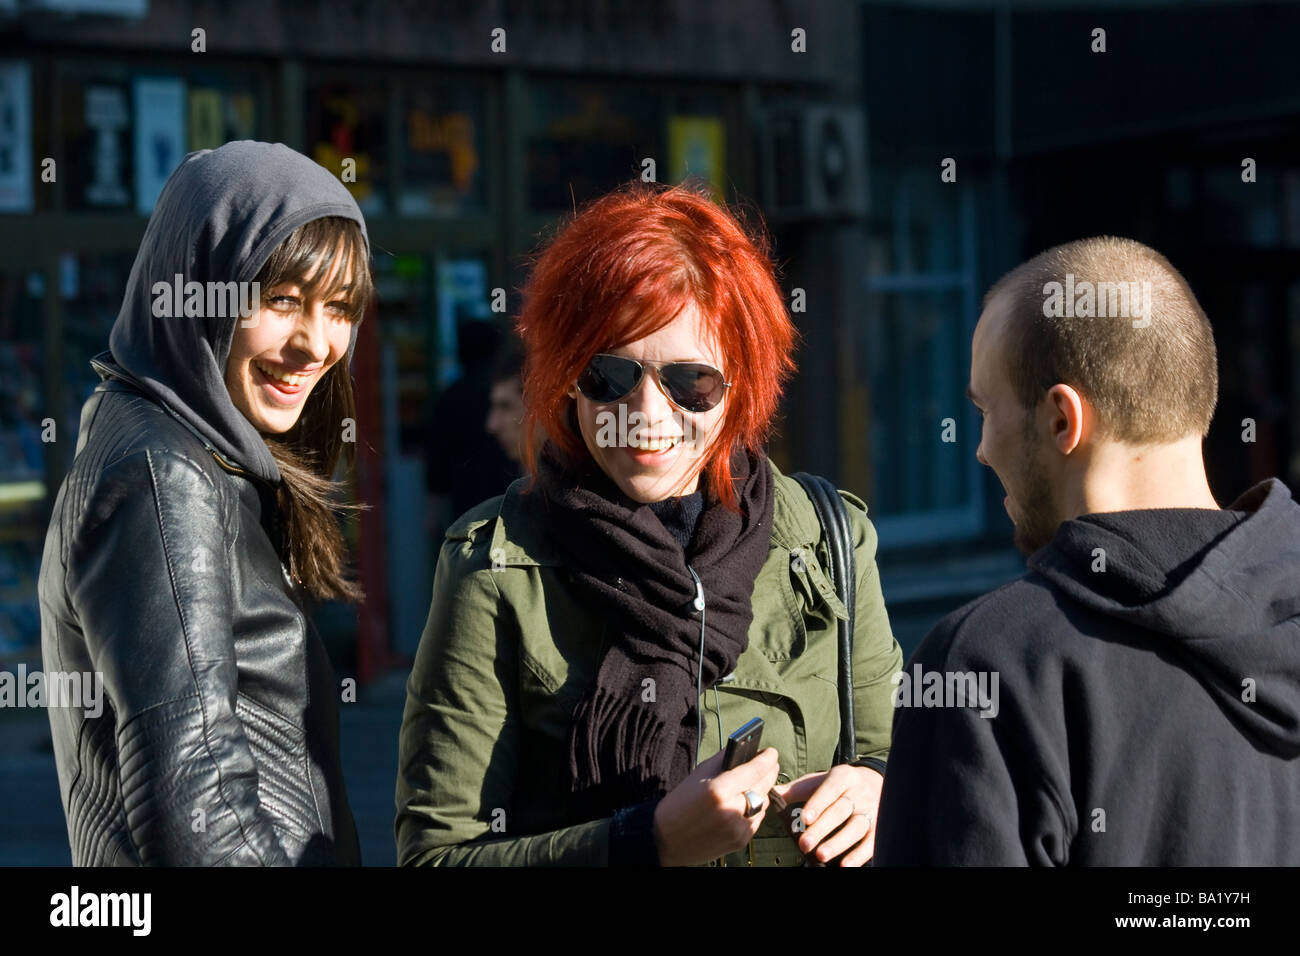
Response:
column 653, row 573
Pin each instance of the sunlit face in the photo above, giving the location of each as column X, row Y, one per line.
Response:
column 281, row 352
column 1010, row 443
column 661, row 451
column 505, row 416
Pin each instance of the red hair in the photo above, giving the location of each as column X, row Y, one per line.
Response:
column 623, row 268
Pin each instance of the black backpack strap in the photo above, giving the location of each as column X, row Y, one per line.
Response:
column 842, row 566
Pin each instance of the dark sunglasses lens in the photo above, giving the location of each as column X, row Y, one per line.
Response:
column 696, row 388
column 608, row 377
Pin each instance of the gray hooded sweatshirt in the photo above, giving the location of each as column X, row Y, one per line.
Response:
column 219, row 217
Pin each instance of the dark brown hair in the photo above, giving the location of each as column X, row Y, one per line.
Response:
column 309, row 498
column 1151, row 384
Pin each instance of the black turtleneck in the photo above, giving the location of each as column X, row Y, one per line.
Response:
column 679, row 515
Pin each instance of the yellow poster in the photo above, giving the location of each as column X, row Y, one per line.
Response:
column 206, row 127
column 696, row 147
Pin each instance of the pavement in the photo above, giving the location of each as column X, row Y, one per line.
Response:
column 33, row 831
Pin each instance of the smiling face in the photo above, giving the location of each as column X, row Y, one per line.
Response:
column 660, row 452
column 1010, row 440
column 281, row 353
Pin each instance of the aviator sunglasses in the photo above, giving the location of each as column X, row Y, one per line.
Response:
column 691, row 386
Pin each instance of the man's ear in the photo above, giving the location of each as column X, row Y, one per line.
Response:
column 1070, row 414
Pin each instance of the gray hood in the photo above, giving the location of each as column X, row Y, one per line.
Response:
column 219, row 217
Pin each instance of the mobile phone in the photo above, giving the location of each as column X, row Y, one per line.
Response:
column 742, row 746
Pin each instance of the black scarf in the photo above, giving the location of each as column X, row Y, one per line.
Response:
column 623, row 746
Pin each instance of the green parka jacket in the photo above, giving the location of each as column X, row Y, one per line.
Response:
column 509, row 649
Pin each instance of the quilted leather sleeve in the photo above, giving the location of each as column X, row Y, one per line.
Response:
column 149, row 575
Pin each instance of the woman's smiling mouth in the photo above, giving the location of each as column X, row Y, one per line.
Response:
column 281, row 384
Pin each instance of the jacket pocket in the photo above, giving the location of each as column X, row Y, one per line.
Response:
column 548, row 696
column 284, row 787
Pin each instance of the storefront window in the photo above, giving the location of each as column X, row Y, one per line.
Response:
column 219, row 109
column 404, row 283
column 16, row 190
column 92, row 286
column 126, row 131
column 442, row 149
column 24, row 422
column 98, row 147
column 913, row 350
column 426, row 298
column 585, row 139
column 345, row 134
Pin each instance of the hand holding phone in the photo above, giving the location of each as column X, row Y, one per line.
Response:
column 742, row 745
column 702, row 818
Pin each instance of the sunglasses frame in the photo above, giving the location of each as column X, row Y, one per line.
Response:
column 657, row 367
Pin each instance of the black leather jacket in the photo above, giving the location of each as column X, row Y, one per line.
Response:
column 218, row 737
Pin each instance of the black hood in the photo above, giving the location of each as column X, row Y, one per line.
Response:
column 1220, row 589
column 219, row 217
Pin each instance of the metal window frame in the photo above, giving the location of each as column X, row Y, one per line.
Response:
column 942, row 524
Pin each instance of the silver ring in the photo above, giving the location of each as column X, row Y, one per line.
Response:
column 856, row 812
column 753, row 803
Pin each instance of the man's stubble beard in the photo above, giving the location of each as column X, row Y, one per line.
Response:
column 1038, row 523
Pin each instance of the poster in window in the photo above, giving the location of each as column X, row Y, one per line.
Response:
column 15, row 138
column 159, row 136
column 206, row 130
column 462, row 295
column 442, row 153
column 345, row 127
column 696, row 149
column 217, row 116
column 107, row 121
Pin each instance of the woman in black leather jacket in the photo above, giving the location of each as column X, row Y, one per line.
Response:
column 195, row 521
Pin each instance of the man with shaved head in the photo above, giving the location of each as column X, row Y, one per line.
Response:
column 1134, row 699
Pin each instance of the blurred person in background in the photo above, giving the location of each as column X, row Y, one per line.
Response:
column 464, row 465
column 505, row 417
column 597, row 631
column 199, row 517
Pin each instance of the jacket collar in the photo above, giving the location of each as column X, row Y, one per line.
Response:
column 108, row 370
